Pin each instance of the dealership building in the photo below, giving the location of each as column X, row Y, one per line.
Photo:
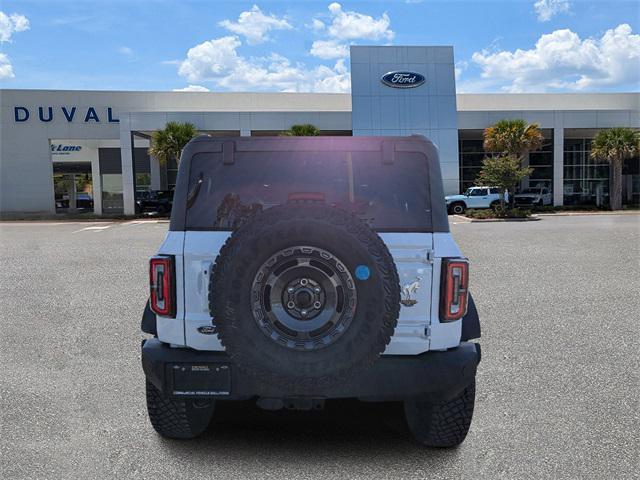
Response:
column 87, row 150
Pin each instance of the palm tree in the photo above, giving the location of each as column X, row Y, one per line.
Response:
column 167, row 144
column 614, row 146
column 303, row 130
column 514, row 138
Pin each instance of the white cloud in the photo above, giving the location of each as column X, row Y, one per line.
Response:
column 317, row 25
column 125, row 51
column 562, row 60
column 210, row 59
column 6, row 69
column 218, row 61
column 328, row 49
column 10, row 24
column 254, row 25
column 348, row 25
column 547, row 9
column 192, row 88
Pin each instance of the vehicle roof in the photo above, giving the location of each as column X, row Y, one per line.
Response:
column 385, row 146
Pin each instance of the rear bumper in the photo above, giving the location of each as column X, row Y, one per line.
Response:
column 187, row 373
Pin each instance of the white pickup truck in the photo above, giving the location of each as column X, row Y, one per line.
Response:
column 474, row 197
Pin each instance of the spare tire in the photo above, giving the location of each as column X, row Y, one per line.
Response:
column 304, row 296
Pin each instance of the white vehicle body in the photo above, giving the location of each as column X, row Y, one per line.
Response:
column 252, row 298
column 474, row 197
column 540, row 195
column 417, row 257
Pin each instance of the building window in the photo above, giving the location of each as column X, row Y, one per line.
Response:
column 542, row 163
column 586, row 181
column 472, row 154
column 172, row 173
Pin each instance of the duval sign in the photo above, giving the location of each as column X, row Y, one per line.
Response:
column 69, row 114
column 401, row 79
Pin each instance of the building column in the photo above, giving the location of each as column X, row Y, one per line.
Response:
column 558, row 166
column 96, row 184
column 126, row 157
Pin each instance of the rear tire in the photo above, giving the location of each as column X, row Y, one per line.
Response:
column 444, row 424
column 177, row 418
column 458, row 208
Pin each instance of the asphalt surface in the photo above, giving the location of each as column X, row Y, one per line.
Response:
column 558, row 386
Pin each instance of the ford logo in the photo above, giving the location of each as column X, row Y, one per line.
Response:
column 402, row 79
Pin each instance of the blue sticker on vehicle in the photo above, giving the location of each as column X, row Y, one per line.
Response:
column 363, row 272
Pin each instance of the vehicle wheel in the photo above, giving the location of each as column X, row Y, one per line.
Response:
column 441, row 424
column 177, row 418
column 458, row 208
column 304, row 296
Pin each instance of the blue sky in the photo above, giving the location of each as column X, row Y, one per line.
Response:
column 505, row 46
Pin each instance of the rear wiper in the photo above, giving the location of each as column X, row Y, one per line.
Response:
column 193, row 194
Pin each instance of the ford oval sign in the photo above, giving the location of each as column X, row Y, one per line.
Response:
column 402, row 79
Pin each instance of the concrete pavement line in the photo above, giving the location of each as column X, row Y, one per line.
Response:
column 94, row 228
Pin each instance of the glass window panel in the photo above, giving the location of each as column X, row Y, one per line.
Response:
column 112, row 201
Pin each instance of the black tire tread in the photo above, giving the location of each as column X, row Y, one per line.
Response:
column 170, row 418
column 442, row 425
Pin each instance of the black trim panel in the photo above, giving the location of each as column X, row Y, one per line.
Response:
column 438, row 375
column 148, row 324
column 470, row 322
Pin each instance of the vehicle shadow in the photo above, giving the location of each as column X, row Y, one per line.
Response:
column 359, row 431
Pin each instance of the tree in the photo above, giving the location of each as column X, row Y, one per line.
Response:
column 504, row 172
column 614, row 146
column 514, row 138
column 169, row 142
column 303, row 130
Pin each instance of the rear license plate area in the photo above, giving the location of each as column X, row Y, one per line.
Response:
column 200, row 379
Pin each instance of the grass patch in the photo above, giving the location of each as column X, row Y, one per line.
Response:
column 488, row 213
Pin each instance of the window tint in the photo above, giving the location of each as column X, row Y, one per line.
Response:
column 477, row 192
column 494, row 191
column 389, row 197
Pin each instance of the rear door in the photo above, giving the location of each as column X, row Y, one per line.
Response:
column 393, row 197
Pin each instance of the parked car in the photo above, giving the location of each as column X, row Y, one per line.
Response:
column 537, row 196
column 474, row 197
column 84, row 200
column 290, row 278
column 154, row 201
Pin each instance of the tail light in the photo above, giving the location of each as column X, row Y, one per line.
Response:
column 454, row 287
column 163, row 288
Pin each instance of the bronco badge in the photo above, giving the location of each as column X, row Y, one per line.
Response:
column 409, row 290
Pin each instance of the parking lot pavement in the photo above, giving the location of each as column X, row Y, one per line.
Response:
column 557, row 387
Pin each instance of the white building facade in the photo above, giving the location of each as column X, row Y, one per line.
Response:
column 64, row 151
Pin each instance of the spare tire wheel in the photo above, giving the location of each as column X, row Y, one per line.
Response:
column 304, row 296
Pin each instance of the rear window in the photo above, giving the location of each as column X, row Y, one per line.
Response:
column 393, row 197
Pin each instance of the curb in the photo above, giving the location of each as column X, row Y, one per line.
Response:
column 573, row 214
column 493, row 220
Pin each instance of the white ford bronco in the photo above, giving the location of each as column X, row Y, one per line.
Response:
column 474, row 197
column 297, row 270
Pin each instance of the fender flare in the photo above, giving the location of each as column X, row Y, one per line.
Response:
column 148, row 324
column 470, row 322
